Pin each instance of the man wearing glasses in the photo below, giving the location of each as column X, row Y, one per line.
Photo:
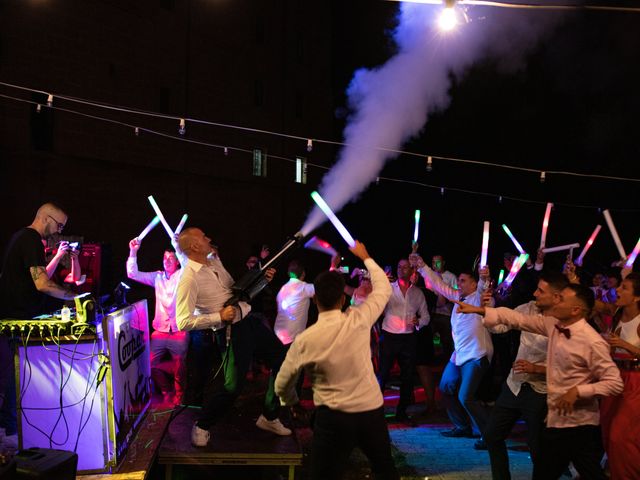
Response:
column 23, row 284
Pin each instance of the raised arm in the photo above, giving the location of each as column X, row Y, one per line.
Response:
column 147, row 278
column 433, row 280
column 373, row 306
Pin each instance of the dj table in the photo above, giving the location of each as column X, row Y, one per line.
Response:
column 82, row 387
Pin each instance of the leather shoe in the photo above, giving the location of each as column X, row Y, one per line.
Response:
column 458, row 433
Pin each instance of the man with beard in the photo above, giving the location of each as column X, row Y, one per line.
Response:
column 23, row 284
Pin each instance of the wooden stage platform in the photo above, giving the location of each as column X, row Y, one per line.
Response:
column 234, row 441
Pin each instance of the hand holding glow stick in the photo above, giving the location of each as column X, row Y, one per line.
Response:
column 560, row 248
column 545, row 225
column 614, row 233
column 513, row 239
column 148, row 228
column 417, row 225
column 586, row 248
column 633, row 255
column 180, row 226
column 485, row 245
column 332, row 217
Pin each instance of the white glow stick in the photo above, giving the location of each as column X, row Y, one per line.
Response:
column 183, row 220
column 161, row 217
column 513, row 239
column 588, row 245
column 515, row 268
column 415, row 229
column 614, row 233
column 332, row 217
column 633, row 255
column 545, row 225
column 485, row 245
column 152, row 224
column 560, row 248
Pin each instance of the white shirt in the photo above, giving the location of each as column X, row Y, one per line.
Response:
column 470, row 339
column 451, row 280
column 293, row 301
column 336, row 354
column 165, row 316
column 202, row 292
column 533, row 348
column 582, row 361
column 402, row 309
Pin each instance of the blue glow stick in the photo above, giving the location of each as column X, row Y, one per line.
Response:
column 415, row 230
column 513, row 239
column 148, row 228
column 333, row 219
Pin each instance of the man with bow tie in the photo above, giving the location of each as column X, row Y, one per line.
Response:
column 579, row 370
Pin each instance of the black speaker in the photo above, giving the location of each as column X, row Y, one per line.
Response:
column 46, row 464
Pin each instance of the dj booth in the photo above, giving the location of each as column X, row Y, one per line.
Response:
column 82, row 387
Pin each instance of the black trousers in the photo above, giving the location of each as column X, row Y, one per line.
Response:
column 250, row 335
column 401, row 346
column 532, row 407
column 336, row 433
column 580, row 445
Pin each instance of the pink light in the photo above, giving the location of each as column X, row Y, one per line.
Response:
column 633, row 255
column 485, row 245
column 515, row 268
column 545, row 225
column 588, row 245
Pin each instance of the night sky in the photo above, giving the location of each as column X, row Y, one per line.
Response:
column 570, row 103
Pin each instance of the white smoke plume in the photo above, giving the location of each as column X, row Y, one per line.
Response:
column 391, row 103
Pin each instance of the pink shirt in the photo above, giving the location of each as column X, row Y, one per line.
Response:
column 582, row 361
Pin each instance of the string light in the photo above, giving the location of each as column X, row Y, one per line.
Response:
column 183, row 126
column 543, row 177
column 49, row 100
column 323, row 167
column 38, row 108
column 226, row 152
column 429, row 163
column 136, row 131
column 309, row 145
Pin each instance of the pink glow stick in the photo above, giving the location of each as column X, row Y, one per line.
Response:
column 545, row 225
column 588, row 245
column 485, row 245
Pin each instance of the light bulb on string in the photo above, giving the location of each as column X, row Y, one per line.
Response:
column 442, row 191
column 226, row 152
column 136, row 131
column 183, row 126
column 38, row 108
column 49, row 100
column 429, row 163
column 448, row 18
column 543, row 177
column 309, row 145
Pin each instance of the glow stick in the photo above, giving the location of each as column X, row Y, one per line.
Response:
column 500, row 276
column 614, row 233
column 515, row 268
column 319, row 245
column 633, row 255
column 513, row 239
column 415, row 229
column 545, row 225
column 588, row 245
column 183, row 220
column 161, row 217
column 152, row 224
column 332, row 217
column 485, row 245
column 561, row 248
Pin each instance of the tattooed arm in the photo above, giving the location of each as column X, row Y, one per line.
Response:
column 47, row 286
